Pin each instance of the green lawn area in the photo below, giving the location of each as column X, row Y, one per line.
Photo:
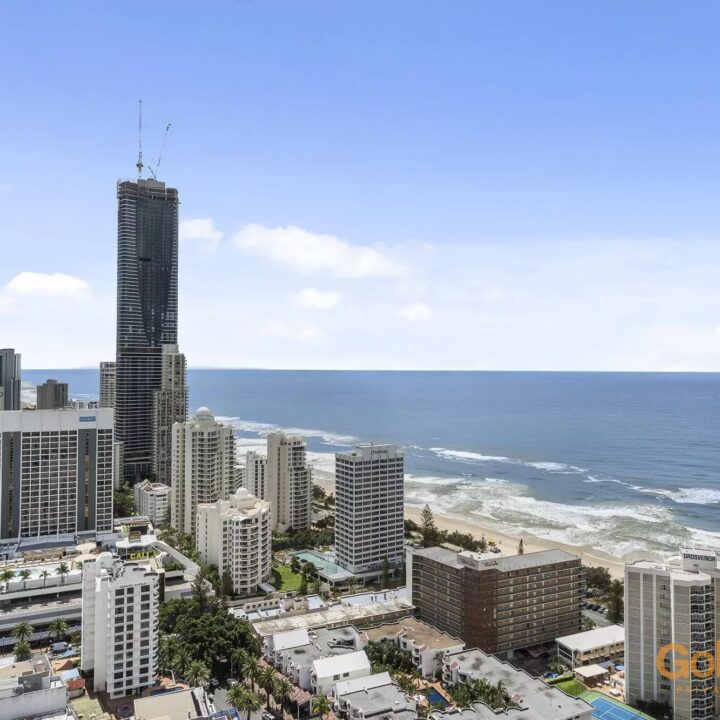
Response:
column 571, row 687
column 288, row 580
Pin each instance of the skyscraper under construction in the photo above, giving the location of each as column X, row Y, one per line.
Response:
column 147, row 295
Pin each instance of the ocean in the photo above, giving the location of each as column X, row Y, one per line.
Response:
column 627, row 463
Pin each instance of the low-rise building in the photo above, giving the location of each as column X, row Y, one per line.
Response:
column 600, row 645
column 373, row 696
column 327, row 672
column 532, row 698
column 189, row 704
column 425, row 644
column 152, row 499
column 30, row 688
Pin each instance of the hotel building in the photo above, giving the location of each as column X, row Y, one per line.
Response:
column 289, row 482
column 369, row 503
column 56, row 473
column 51, row 395
column 107, row 384
column 9, row 379
column 666, row 604
column 256, row 474
column 152, row 499
column 498, row 604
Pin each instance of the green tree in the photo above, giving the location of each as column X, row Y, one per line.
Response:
column 25, row 575
column 44, row 575
column 482, row 544
column 386, row 572
column 615, row 601
column 6, row 576
column 22, row 651
column 227, row 589
column 283, row 691
column 62, row 570
column 251, row 671
column 521, row 547
column 23, row 631
column 295, row 564
column 266, row 680
column 197, row 674
column 237, row 659
column 406, row 683
column 321, row 705
column 123, row 501
column 200, row 591
column 428, row 529
column 598, row 578
column 58, row 628
column 303, row 589
column 244, row 701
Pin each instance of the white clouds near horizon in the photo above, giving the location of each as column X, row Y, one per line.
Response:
column 201, row 231
column 416, row 312
column 314, row 299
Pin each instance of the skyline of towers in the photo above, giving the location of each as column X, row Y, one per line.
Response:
column 10, row 379
column 147, row 319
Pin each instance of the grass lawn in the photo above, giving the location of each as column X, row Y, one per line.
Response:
column 288, row 580
column 571, row 687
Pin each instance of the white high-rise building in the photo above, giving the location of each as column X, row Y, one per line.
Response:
column 56, row 473
column 288, row 479
column 369, row 498
column 120, row 606
column 107, row 384
column 169, row 407
column 235, row 535
column 203, row 467
column 255, row 474
column 152, row 499
column 670, row 618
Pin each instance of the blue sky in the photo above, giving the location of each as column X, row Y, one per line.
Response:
column 508, row 185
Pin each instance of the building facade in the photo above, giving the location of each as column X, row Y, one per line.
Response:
column 52, row 395
column 369, row 505
column 170, row 404
column 56, row 472
column 256, row 474
column 289, row 482
column 203, row 467
column 498, row 604
column 147, row 274
column 235, row 535
column 152, row 499
column 120, row 607
column 669, row 618
column 107, row 384
column 10, row 381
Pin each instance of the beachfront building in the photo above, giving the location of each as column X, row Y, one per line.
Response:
column 533, row 697
column 369, row 501
column 600, row 645
column 235, row 536
column 289, row 482
column 107, row 384
column 147, row 311
column 51, row 395
column 203, row 467
column 120, row 606
column 497, row 603
column 669, row 616
column 256, row 474
column 56, row 474
column 152, row 499
column 169, row 406
column 9, row 379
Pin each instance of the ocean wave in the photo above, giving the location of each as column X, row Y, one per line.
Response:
column 264, row 429
column 468, row 456
column 687, row 496
column 546, row 465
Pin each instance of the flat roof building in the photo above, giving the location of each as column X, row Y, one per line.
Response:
column 602, row 644
column 30, row 688
column 497, row 603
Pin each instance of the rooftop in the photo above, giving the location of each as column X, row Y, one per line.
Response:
column 336, row 616
column 502, row 563
column 381, row 699
column 368, row 682
column 591, row 639
column 337, row 665
column 422, row 634
column 176, row 705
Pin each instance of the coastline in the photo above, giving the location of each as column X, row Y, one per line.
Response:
column 504, row 540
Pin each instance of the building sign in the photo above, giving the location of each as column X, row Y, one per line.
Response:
column 88, row 418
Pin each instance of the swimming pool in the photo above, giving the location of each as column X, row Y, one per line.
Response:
column 435, row 698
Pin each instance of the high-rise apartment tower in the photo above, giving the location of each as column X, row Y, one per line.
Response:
column 9, row 379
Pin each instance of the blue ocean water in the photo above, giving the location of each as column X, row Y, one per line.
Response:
column 626, row 463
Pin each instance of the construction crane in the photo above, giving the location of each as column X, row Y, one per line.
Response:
column 154, row 172
column 139, row 163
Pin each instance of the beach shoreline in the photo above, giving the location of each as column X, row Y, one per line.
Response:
column 505, row 541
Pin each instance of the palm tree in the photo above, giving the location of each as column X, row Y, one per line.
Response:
column 22, row 651
column 250, row 670
column 197, row 673
column 23, row 631
column 321, row 705
column 58, row 627
column 180, row 661
column 266, row 680
column 243, row 700
column 283, row 691
column 237, row 658
column 6, row 576
column 44, row 575
column 62, row 570
column 406, row 683
column 25, row 575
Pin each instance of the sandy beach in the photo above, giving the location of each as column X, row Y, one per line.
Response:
column 508, row 543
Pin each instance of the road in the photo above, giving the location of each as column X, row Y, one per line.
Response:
column 599, row 619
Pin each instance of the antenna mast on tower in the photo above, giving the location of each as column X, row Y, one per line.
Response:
column 139, row 163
